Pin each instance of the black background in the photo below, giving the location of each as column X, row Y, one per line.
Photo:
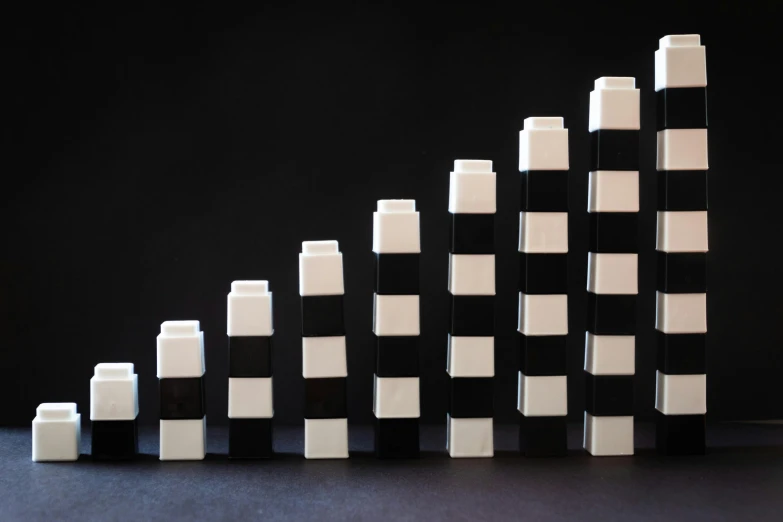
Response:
column 153, row 155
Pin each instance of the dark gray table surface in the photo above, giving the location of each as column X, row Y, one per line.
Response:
column 740, row 479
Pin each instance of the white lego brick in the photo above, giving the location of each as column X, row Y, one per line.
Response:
column 180, row 350
column 469, row 438
column 608, row 436
column 680, row 61
column 320, row 269
column 396, row 315
column 326, row 438
column 682, row 149
column 682, row 231
column 613, row 191
column 612, row 273
column 324, row 357
column 114, row 392
column 395, row 227
column 543, row 314
column 472, row 274
column 681, row 313
column 610, row 354
column 183, row 439
column 56, row 432
column 614, row 104
column 542, row 396
column 471, row 356
column 396, row 397
column 543, row 144
column 249, row 309
column 681, row 394
column 250, row 398
column 543, row 232
column 472, row 188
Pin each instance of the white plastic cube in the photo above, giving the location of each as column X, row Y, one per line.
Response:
column 680, row 61
column 56, row 432
column 682, row 149
column 326, row 438
column 114, row 392
column 396, row 315
column 543, row 232
column 681, row 313
column 472, row 274
column 249, row 309
column 682, row 231
column 180, row 350
column 613, row 191
column 395, row 227
column 612, row 273
column 542, row 396
column 324, row 357
column 472, row 188
column 608, row 436
column 250, row 398
column 614, row 104
column 471, row 356
column 396, row 397
column 543, row 144
column 610, row 354
column 543, row 314
column 320, row 269
column 183, row 439
column 681, row 394
column 469, row 438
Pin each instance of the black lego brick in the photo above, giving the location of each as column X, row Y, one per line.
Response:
column 397, row 274
column 397, row 438
column 613, row 232
column 544, row 190
column 472, row 315
column 326, row 398
column 182, row 398
column 472, row 234
column 250, row 356
column 115, row 440
column 611, row 314
column 681, row 272
column 680, row 434
column 322, row 316
column 543, row 273
column 397, row 356
column 543, row 355
column 681, row 108
column 471, row 397
column 543, row 436
column 614, row 150
column 682, row 190
column 609, row 395
column 681, row 354
column 250, row 438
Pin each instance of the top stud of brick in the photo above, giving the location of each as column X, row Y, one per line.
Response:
column 56, row 411
column 615, row 82
column 478, row 166
column 315, row 248
column 179, row 328
column 538, row 122
column 680, row 40
column 114, row 370
column 250, row 287
column 394, row 206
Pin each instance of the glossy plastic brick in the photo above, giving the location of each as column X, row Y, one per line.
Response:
column 250, row 356
column 543, row 355
column 326, row 398
column 182, row 398
column 250, row 438
column 471, row 397
column 322, row 316
column 543, row 436
column 607, row 395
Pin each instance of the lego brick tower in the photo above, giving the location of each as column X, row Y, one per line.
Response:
column 324, row 363
column 543, row 287
column 114, row 407
column 250, row 406
column 612, row 267
column 471, row 340
column 681, row 297
column 396, row 402
column 181, row 370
